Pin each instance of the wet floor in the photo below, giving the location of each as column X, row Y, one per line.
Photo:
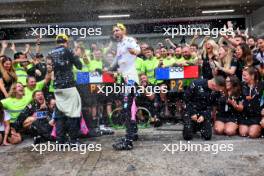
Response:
column 152, row 156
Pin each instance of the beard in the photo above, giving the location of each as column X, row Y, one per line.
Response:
column 178, row 55
column 187, row 57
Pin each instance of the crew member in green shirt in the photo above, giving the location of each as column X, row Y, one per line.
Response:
column 33, row 86
column 167, row 61
column 150, row 64
column 96, row 63
column 188, row 57
column 139, row 65
column 21, row 65
column 14, row 104
column 179, row 60
column 84, row 58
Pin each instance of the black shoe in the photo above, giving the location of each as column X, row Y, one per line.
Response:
column 187, row 132
column 122, row 139
column 38, row 140
column 155, row 122
column 123, row 145
column 133, row 137
column 95, row 132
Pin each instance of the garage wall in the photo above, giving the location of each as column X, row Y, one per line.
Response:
column 257, row 22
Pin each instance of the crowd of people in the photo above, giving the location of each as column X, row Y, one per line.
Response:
column 227, row 98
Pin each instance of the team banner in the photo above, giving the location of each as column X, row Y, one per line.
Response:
column 177, row 72
column 93, row 77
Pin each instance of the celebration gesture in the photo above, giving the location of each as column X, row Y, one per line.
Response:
column 4, row 44
column 13, row 47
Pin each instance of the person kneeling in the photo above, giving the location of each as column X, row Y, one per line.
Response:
column 229, row 108
column 199, row 100
column 35, row 118
column 250, row 121
column 4, row 126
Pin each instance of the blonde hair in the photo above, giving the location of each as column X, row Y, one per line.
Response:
column 226, row 61
column 213, row 44
column 121, row 26
column 81, row 46
column 12, row 92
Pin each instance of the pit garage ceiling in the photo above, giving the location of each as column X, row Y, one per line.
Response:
column 60, row 11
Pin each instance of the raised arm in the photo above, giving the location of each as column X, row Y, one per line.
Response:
column 193, row 41
column 4, row 46
column 170, row 42
column 13, row 48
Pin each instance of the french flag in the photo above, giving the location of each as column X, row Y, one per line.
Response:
column 93, row 77
column 177, row 72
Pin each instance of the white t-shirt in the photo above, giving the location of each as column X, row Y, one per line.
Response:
column 127, row 61
column 6, row 118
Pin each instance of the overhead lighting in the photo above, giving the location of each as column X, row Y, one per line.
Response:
column 12, row 20
column 218, row 11
column 114, row 16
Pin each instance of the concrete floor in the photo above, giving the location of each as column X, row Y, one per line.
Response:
column 146, row 159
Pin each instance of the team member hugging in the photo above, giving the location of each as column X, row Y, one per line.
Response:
column 200, row 97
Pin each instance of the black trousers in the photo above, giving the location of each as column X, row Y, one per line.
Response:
column 190, row 127
column 66, row 125
column 42, row 128
column 131, row 125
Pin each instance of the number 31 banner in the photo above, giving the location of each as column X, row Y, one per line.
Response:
column 177, row 72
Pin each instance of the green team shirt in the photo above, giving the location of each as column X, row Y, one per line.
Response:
column 140, row 65
column 88, row 52
column 85, row 67
column 51, row 87
column 179, row 60
column 149, row 68
column 168, row 62
column 28, row 93
column 95, row 64
column 104, row 50
column 191, row 61
column 14, row 106
column 21, row 73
